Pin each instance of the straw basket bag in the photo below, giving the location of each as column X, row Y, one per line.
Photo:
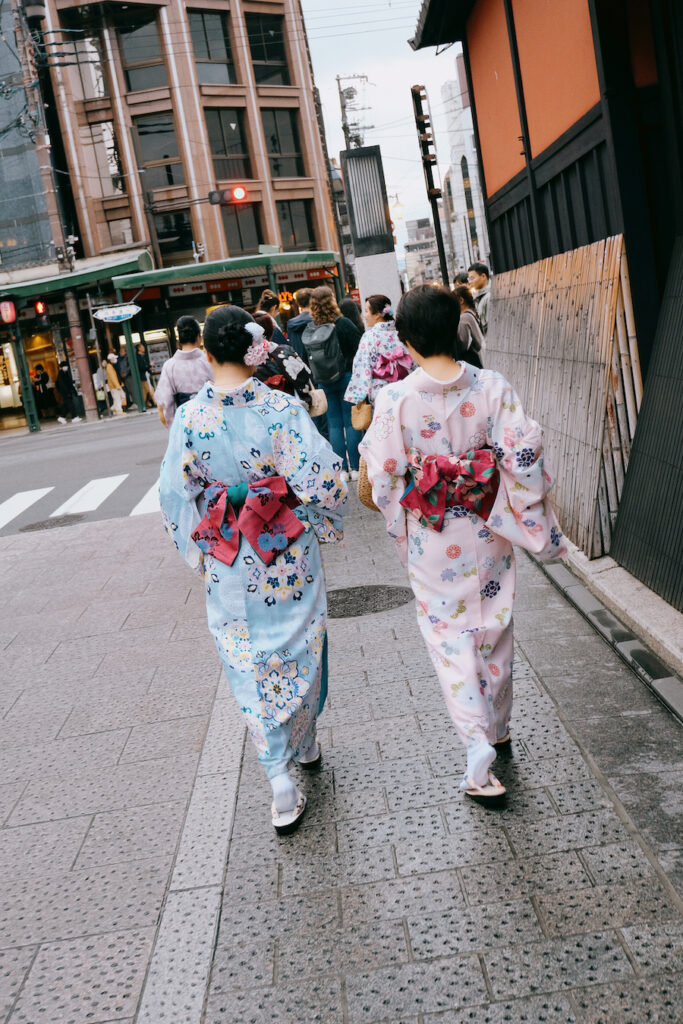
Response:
column 365, row 487
column 361, row 415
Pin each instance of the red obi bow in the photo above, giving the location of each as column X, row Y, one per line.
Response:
column 440, row 481
column 265, row 519
column 394, row 366
column 280, row 383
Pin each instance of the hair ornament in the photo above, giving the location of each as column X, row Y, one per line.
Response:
column 255, row 330
column 387, row 311
column 257, row 353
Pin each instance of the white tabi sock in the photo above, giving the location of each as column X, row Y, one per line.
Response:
column 311, row 751
column 285, row 793
column 480, row 756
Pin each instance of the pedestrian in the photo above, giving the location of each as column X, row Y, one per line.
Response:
column 184, row 373
column 351, row 310
column 461, row 277
column 381, row 357
column 248, row 490
column 269, row 303
column 66, row 389
column 126, row 375
column 98, row 381
column 144, row 369
column 470, row 333
column 284, row 370
column 115, row 384
column 296, row 325
column 458, row 471
column 331, row 342
column 479, row 281
column 41, row 386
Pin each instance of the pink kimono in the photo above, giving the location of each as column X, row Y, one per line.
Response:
column 468, row 464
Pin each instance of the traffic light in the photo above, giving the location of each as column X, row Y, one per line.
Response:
column 42, row 316
column 228, row 196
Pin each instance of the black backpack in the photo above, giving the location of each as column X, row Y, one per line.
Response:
column 325, row 356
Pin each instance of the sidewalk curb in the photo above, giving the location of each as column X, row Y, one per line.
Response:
column 647, row 665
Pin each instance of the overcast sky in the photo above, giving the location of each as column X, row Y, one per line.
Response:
column 371, row 38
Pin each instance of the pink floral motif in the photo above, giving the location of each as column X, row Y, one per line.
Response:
column 467, row 409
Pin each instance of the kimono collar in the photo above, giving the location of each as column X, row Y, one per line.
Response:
column 468, row 377
column 189, row 353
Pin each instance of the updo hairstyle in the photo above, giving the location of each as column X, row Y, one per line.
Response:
column 324, row 308
column 266, row 322
column 428, row 318
column 225, row 336
column 377, row 304
column 268, row 300
column 188, row 330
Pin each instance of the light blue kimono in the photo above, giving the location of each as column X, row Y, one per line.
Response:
column 268, row 621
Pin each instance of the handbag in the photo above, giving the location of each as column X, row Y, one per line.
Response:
column 318, row 402
column 365, row 487
column 361, row 415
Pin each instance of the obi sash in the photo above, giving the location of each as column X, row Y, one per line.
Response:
column 265, row 519
column 438, row 482
column 394, row 366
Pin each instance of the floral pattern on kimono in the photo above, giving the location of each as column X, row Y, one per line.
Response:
column 463, row 575
column 379, row 341
column 268, row 620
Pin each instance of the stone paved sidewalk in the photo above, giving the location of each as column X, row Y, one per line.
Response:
column 124, row 793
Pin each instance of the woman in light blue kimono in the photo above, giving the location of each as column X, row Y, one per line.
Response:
column 248, row 490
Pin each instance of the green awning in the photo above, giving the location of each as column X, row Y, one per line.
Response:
column 238, row 266
column 89, row 271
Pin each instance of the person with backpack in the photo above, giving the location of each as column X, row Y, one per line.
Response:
column 331, row 342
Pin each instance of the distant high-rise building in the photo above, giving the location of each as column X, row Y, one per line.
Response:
column 421, row 253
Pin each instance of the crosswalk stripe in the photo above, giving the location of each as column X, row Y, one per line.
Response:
column 150, row 502
column 91, row 496
column 19, row 502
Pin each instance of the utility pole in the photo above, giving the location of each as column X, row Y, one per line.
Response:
column 353, row 131
column 425, row 137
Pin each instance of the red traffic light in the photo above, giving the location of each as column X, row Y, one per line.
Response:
column 239, row 193
column 226, row 196
column 40, row 307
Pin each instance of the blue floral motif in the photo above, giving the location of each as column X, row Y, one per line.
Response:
column 483, row 533
column 495, row 521
column 491, row 589
column 266, row 541
column 525, row 457
column 555, row 536
column 498, row 452
column 448, row 575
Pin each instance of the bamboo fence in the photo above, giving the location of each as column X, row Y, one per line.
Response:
column 562, row 331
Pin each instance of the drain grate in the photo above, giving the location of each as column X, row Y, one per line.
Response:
column 52, row 524
column 353, row 601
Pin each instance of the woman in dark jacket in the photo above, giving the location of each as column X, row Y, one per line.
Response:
column 283, row 369
column 469, row 328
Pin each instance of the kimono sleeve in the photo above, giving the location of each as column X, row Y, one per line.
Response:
column 384, row 452
column 361, row 373
column 522, row 512
column 313, row 471
column 182, row 481
column 163, row 393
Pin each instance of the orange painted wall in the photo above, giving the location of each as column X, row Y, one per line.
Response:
column 557, row 58
column 493, row 85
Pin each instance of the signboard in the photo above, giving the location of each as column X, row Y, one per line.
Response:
column 197, row 288
column 8, row 312
column 116, row 314
column 355, row 295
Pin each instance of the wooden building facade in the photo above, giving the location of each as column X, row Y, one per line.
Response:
column 578, row 113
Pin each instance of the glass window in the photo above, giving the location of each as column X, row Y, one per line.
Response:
column 158, row 151
column 242, row 229
column 228, row 147
column 211, row 45
column 102, row 160
column 174, row 232
column 296, row 224
column 88, row 79
column 282, row 142
column 267, row 44
column 120, row 231
column 141, row 54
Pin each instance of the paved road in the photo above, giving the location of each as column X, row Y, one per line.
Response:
column 101, row 470
column 141, row 874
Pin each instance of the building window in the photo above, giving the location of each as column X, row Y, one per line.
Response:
column 296, row 224
column 282, row 141
column 174, row 233
column 143, row 62
column 120, row 231
column 102, row 160
column 267, row 44
column 158, row 151
column 211, row 45
column 242, row 229
column 469, row 201
column 88, row 79
column 226, row 139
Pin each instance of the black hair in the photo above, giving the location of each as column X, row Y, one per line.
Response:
column 268, row 300
column 188, row 330
column 460, row 278
column 225, row 336
column 377, row 304
column 479, row 268
column 428, row 318
column 349, row 309
column 463, row 292
column 266, row 322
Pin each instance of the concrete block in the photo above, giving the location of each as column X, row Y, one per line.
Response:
column 203, row 849
column 387, row 993
column 461, row 930
column 551, row 1009
column 14, row 966
column 607, row 906
column 519, row 878
column 393, row 900
column 632, row 1000
column 138, row 833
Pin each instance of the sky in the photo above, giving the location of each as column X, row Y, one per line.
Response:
column 371, row 38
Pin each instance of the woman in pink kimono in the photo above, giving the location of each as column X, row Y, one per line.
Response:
column 457, row 471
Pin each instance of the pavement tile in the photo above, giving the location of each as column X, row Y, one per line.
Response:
column 615, row 863
column 519, row 807
column 58, row 760
column 162, row 739
column 607, row 906
column 261, row 919
column 239, row 965
column 337, row 870
column 580, row 796
column 462, row 930
column 392, row 774
column 380, row 830
column 96, row 978
column 17, row 730
column 340, row 951
column 418, row 856
column 395, row 899
column 514, row 879
column 572, row 831
column 14, row 966
column 138, row 711
column 203, row 847
column 139, row 833
column 656, row 947
column 414, row 988
column 320, row 998
column 555, row 965
column 551, row 1009
column 527, row 774
column 48, row 848
column 653, row 801
column 9, row 794
column 658, row 1000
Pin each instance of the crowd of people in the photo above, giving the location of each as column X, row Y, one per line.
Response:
column 262, row 444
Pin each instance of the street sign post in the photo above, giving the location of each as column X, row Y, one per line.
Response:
column 116, row 314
